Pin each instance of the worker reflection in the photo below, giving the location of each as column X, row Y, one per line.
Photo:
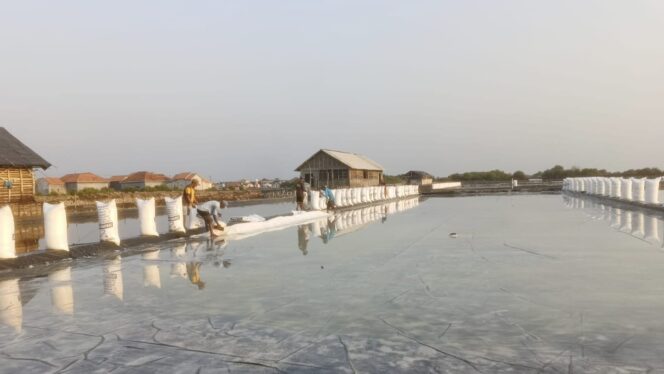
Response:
column 328, row 232
column 303, row 238
column 194, row 274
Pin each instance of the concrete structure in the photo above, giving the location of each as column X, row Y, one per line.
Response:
column 181, row 180
column 17, row 161
column 143, row 179
column 419, row 178
column 47, row 186
column 340, row 169
column 79, row 181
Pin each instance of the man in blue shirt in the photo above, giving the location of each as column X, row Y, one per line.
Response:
column 329, row 195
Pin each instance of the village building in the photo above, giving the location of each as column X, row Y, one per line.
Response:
column 143, row 179
column 182, row 180
column 80, row 181
column 115, row 182
column 418, row 178
column 17, row 164
column 340, row 169
column 47, row 186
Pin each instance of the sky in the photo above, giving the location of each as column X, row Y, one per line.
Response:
column 250, row 89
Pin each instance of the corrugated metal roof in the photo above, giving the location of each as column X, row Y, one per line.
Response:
column 16, row 154
column 352, row 160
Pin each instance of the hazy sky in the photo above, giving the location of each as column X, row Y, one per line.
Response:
column 244, row 88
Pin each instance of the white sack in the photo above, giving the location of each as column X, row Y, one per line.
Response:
column 193, row 222
column 7, row 239
column 615, row 187
column 146, row 216
column 55, row 226
column 107, row 214
column 639, row 189
column 652, row 191
column 626, row 189
column 174, row 213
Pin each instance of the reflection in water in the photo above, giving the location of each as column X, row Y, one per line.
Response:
column 62, row 293
column 179, row 269
column 151, row 277
column 634, row 222
column 348, row 221
column 194, row 274
column 11, row 309
column 113, row 278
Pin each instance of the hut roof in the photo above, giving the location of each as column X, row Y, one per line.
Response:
column 352, row 160
column 117, row 178
column 86, row 177
column 145, row 176
column 16, row 154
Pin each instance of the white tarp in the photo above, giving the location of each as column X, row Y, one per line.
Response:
column 55, row 226
column 146, row 216
column 7, row 241
column 107, row 214
column 277, row 223
column 174, row 213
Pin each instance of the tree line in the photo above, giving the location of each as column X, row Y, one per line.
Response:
column 556, row 173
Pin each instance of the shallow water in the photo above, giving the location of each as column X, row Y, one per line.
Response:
column 529, row 283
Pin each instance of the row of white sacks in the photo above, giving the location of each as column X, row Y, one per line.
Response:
column 631, row 189
column 55, row 223
column 635, row 223
column 345, row 197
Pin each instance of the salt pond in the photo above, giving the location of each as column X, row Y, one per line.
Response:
column 530, row 283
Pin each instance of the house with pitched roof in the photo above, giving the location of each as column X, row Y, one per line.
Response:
column 181, row 180
column 76, row 182
column 143, row 179
column 17, row 164
column 340, row 169
column 48, row 185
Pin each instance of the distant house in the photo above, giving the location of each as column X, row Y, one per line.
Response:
column 79, row 181
column 47, row 186
column 340, row 169
column 17, row 161
column 115, row 182
column 419, row 178
column 181, row 180
column 143, row 179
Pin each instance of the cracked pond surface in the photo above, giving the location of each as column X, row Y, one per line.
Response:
column 529, row 284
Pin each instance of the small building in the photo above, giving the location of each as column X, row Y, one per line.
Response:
column 115, row 182
column 80, row 181
column 340, row 169
column 143, row 179
column 181, row 180
column 47, row 186
column 419, row 178
column 17, row 164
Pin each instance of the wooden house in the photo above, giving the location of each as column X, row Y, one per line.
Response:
column 17, row 164
column 340, row 169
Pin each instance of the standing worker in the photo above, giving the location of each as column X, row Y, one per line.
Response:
column 329, row 195
column 189, row 196
column 299, row 194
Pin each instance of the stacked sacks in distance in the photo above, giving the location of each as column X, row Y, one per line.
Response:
column 347, row 197
column 640, row 190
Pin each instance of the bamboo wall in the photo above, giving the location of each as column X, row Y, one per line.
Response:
column 23, row 189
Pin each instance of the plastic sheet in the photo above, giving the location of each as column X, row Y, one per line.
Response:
column 107, row 214
column 55, row 226
column 7, row 241
column 146, row 216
